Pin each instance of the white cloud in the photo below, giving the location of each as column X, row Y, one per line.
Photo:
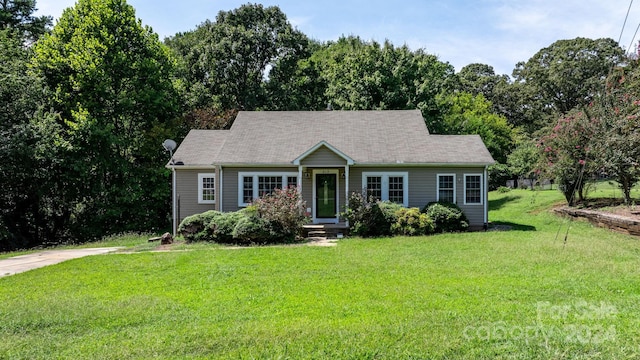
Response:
column 299, row 21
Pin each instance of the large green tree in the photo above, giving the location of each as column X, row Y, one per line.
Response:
column 29, row 216
column 226, row 61
column 565, row 75
column 111, row 80
column 352, row 74
column 18, row 15
column 480, row 79
column 464, row 113
column 509, row 99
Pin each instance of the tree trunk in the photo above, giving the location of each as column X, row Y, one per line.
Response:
column 625, row 184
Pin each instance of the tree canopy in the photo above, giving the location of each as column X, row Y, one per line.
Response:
column 17, row 15
column 26, row 210
column 468, row 114
column 568, row 73
column 227, row 59
column 111, row 85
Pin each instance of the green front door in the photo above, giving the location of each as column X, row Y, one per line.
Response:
column 326, row 196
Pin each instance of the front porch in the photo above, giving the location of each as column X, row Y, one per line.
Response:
column 327, row 231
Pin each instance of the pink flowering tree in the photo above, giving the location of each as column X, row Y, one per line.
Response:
column 618, row 143
column 567, row 154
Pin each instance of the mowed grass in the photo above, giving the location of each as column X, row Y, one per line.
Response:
column 524, row 293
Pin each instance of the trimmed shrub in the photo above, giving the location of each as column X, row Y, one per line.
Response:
column 390, row 211
column 254, row 230
column 196, row 227
column 446, row 217
column 412, row 222
column 222, row 226
column 366, row 217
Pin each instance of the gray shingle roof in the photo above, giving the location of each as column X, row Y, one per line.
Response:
column 200, row 147
column 367, row 137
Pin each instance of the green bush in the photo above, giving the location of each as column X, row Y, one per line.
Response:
column 254, row 230
column 503, row 189
column 366, row 217
column 223, row 225
column 412, row 222
column 196, row 227
column 446, row 217
column 390, row 210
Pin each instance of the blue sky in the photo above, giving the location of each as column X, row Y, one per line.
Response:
column 495, row 32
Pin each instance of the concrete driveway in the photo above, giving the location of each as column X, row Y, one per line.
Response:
column 22, row 263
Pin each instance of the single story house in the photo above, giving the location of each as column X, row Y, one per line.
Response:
column 328, row 155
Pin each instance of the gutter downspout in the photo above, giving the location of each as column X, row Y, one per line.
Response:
column 219, row 197
column 174, row 200
column 346, row 189
column 486, row 200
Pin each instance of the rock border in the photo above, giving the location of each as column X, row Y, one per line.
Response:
column 618, row 223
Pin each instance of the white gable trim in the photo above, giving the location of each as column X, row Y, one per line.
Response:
column 316, row 147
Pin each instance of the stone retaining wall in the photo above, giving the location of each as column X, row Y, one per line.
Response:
column 614, row 222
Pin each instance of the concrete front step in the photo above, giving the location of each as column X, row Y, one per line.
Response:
column 317, row 233
column 327, row 231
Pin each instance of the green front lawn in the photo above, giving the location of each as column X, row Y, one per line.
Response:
column 523, row 293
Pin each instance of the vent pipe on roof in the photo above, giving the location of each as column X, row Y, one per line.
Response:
column 329, row 107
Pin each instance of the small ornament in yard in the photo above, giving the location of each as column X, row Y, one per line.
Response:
column 166, row 239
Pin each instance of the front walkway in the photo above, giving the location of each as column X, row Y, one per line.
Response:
column 22, row 263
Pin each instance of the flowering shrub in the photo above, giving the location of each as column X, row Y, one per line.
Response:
column 284, row 210
column 619, row 113
column 567, row 154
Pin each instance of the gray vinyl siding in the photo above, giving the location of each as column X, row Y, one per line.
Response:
column 307, row 190
column 187, row 191
column 323, row 156
column 230, row 183
column 423, row 186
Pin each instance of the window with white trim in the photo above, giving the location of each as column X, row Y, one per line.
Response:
column 446, row 188
column 473, row 189
column 252, row 185
column 391, row 186
column 206, row 188
column 374, row 186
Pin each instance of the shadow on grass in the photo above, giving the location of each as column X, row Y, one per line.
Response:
column 498, row 203
column 513, row 226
